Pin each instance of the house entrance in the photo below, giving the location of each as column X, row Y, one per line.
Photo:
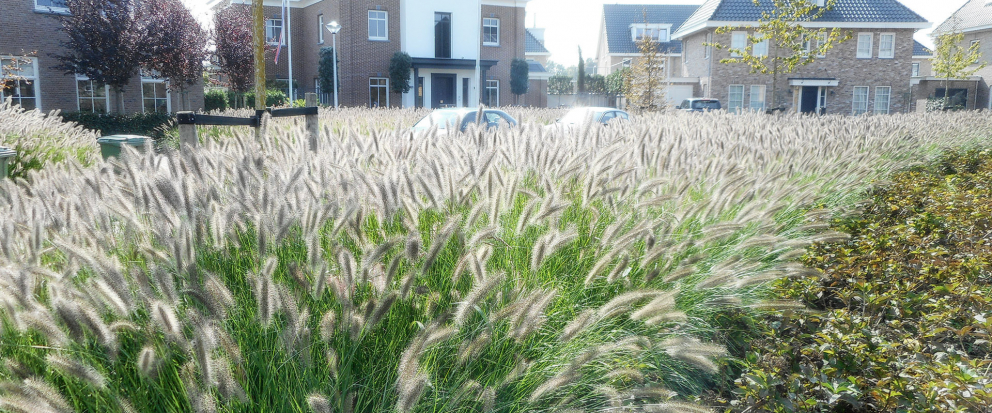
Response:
column 813, row 100
column 443, row 90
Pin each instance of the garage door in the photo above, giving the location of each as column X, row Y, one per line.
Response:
column 678, row 93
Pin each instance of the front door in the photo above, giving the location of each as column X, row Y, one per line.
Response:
column 809, row 100
column 443, row 91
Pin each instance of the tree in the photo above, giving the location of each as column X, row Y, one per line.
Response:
column 646, row 90
column 325, row 70
column 233, row 40
column 560, row 84
column 789, row 44
column 399, row 72
column 580, row 78
column 519, row 77
column 177, row 44
column 596, row 84
column 618, row 82
column 106, row 42
column 950, row 60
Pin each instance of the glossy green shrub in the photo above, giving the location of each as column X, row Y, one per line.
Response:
column 900, row 315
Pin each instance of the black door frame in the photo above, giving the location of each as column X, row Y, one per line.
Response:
column 449, row 101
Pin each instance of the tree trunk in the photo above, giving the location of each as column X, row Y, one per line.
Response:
column 120, row 100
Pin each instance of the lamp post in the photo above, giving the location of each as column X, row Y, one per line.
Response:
column 334, row 28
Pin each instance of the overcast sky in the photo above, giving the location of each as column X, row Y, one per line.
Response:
column 573, row 23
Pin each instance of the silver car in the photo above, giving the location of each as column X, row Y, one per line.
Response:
column 458, row 119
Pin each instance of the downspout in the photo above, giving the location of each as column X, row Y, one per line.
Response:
column 289, row 47
column 478, row 58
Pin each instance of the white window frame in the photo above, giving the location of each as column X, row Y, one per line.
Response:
column 878, row 98
column 50, row 9
column 865, row 51
column 320, row 28
column 916, row 69
column 709, row 49
column 168, row 93
column 760, row 49
column 659, row 32
column 757, row 90
column 379, row 86
column 106, row 94
column 270, row 26
column 33, row 79
column 738, row 40
column 854, row 101
column 891, row 52
column 730, row 99
column 821, row 40
column 383, row 16
column 490, row 22
column 488, row 87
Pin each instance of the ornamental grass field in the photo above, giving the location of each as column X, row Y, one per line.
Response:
column 613, row 269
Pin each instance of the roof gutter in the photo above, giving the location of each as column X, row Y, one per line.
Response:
column 816, row 25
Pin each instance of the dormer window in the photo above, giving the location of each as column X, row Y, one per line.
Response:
column 821, row 3
column 656, row 32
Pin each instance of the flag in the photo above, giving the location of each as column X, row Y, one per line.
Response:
column 282, row 31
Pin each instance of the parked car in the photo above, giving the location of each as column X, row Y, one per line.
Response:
column 459, row 118
column 602, row 115
column 699, row 105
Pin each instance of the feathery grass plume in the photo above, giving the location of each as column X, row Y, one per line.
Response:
column 382, row 308
column 626, row 375
column 43, row 392
column 332, row 362
column 73, row 368
column 227, row 386
column 525, row 220
column 488, row 399
column 679, row 274
column 318, row 403
column 600, row 265
column 165, row 317
column 355, row 324
column 620, row 270
column 43, row 322
column 694, row 352
column 779, row 305
column 148, row 362
column 410, row 390
column 652, row 393
column 373, row 256
column 469, row 390
column 676, row 407
column 470, row 350
column 578, row 324
column 663, row 303
column 328, row 325
column 412, row 248
column 530, row 316
column 478, row 293
column 623, row 302
column 203, row 346
column 266, row 298
column 553, row 384
column 440, row 240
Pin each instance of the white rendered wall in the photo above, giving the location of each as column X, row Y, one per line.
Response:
column 417, row 27
column 410, row 98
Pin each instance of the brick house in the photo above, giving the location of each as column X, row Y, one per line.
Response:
column 871, row 73
column 623, row 25
column 974, row 20
column 922, row 70
column 537, row 56
column 30, row 27
column 444, row 38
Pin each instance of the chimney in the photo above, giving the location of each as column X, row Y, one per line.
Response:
column 538, row 34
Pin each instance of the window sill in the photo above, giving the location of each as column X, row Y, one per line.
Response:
column 491, row 44
column 51, row 10
column 378, row 39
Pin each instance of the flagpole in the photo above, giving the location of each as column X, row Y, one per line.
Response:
column 289, row 45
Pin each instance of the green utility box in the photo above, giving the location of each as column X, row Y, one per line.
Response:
column 110, row 146
column 6, row 154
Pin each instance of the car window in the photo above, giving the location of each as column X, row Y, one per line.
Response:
column 495, row 119
column 685, row 104
column 608, row 117
column 706, row 104
column 623, row 115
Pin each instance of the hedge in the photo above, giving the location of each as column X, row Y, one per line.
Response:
column 149, row 124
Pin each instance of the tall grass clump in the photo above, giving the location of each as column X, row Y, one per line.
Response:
column 41, row 140
column 510, row 271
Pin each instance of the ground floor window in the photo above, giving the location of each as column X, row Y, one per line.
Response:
column 883, row 96
column 757, row 98
column 91, row 96
column 736, row 98
column 378, row 92
column 860, row 101
column 154, row 96
column 492, row 93
column 19, row 81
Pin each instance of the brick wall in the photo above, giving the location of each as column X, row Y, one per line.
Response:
column 511, row 45
column 26, row 30
column 985, row 47
column 840, row 63
column 537, row 94
column 362, row 58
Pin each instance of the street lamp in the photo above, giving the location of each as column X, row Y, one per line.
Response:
column 334, row 28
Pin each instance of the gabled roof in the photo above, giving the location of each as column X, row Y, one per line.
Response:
column 532, row 45
column 619, row 17
column 845, row 13
column 973, row 15
column 919, row 50
column 536, row 67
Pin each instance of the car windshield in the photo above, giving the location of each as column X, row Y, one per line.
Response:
column 706, row 104
column 580, row 116
column 442, row 119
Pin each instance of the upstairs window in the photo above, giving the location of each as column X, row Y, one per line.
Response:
column 442, row 35
column 655, row 32
column 886, row 46
column 273, row 32
column 864, row 45
column 760, row 49
column 708, row 51
column 378, row 25
column 916, row 69
column 320, row 29
column 24, row 90
column 490, row 32
column 51, row 6
column 738, row 41
column 821, row 40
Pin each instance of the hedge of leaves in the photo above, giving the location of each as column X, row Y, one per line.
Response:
column 901, row 314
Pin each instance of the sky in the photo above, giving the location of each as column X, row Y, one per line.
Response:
column 569, row 24
column 572, row 23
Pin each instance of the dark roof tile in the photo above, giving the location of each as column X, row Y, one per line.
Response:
column 532, row 45
column 619, row 17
